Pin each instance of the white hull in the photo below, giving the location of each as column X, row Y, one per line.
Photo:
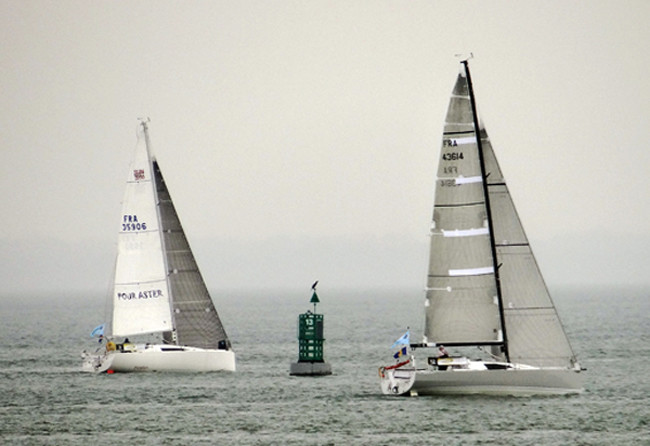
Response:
column 524, row 381
column 161, row 358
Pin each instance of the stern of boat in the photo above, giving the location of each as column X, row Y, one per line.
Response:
column 95, row 362
column 397, row 379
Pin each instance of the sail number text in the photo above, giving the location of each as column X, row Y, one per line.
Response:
column 449, row 182
column 131, row 223
column 453, row 156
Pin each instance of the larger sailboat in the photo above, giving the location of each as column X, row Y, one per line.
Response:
column 158, row 289
column 485, row 295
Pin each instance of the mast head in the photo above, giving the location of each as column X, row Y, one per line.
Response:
column 314, row 297
column 143, row 122
column 464, row 58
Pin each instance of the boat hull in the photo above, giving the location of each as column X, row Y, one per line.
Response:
column 161, row 359
column 516, row 382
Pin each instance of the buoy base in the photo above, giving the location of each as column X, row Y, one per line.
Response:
column 310, row 369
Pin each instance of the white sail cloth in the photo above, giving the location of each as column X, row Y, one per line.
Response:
column 141, row 294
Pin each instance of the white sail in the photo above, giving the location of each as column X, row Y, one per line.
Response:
column 141, row 300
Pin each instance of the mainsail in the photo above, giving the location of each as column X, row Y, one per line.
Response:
column 141, row 299
column 484, row 286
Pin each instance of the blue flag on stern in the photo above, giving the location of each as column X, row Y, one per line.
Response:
column 405, row 339
column 400, row 352
column 98, row 331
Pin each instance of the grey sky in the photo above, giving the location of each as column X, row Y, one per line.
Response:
column 300, row 139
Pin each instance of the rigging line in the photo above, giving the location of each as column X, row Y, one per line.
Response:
column 458, row 344
column 528, row 308
column 489, row 353
column 479, row 144
column 158, row 180
column 460, row 205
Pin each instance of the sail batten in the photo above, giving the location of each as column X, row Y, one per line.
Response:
column 471, row 271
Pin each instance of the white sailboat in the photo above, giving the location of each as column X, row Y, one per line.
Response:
column 158, row 290
column 485, row 295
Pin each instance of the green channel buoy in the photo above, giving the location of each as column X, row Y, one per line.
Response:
column 310, row 343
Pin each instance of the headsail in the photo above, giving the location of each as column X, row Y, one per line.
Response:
column 535, row 334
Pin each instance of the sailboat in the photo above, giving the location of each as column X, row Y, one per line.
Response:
column 158, row 289
column 486, row 299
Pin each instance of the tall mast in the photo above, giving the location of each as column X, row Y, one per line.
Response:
column 152, row 167
column 477, row 132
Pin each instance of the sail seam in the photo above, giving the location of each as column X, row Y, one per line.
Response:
column 458, row 205
column 141, row 282
column 138, row 232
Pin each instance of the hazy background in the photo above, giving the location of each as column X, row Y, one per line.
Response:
column 300, row 139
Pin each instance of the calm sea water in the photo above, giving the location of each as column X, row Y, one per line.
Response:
column 46, row 399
